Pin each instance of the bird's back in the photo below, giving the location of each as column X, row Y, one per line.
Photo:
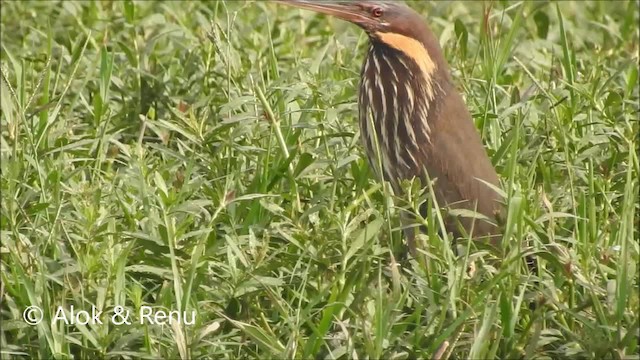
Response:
column 460, row 165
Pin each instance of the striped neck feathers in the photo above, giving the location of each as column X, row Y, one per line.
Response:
column 400, row 95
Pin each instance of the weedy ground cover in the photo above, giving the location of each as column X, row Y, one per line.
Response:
column 204, row 157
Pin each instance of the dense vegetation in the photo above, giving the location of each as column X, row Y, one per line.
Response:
column 204, row 156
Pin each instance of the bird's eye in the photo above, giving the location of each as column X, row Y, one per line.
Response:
column 377, row 12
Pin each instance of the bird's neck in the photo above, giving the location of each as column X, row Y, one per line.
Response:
column 399, row 106
column 393, row 68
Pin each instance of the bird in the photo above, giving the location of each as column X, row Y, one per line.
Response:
column 413, row 121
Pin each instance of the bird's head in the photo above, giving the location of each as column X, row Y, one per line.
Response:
column 390, row 23
column 375, row 17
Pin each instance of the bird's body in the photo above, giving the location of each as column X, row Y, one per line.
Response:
column 413, row 121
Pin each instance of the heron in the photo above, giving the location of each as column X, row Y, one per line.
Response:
column 414, row 123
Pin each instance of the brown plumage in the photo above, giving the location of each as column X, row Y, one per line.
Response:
column 412, row 117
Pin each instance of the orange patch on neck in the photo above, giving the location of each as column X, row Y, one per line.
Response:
column 411, row 48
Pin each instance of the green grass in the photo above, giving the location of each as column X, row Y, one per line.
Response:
column 204, row 156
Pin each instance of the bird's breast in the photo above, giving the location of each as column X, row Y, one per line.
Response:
column 396, row 105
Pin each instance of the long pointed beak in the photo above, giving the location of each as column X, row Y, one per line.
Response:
column 346, row 11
